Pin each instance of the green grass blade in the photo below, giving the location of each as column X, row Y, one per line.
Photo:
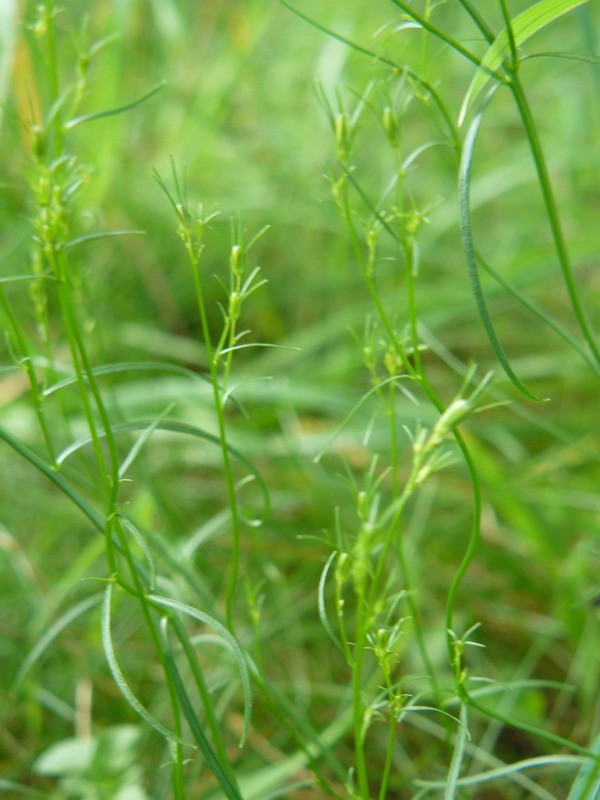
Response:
column 189, row 430
column 523, row 27
column 143, row 545
column 221, row 773
column 353, row 411
column 457, row 757
column 464, row 185
column 133, row 366
column 53, row 631
column 55, row 477
column 114, row 111
column 135, row 450
column 91, row 237
column 587, row 783
column 168, row 602
column 119, row 678
column 509, row 769
column 540, row 313
column 322, row 608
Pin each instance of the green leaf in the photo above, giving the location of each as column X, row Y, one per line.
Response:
column 52, row 632
column 230, row 640
column 464, row 186
column 111, row 112
column 523, row 26
column 177, row 427
column 219, row 770
column 119, row 678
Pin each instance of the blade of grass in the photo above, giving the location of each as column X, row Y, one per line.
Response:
column 464, row 184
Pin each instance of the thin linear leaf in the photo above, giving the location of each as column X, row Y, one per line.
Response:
column 212, row 761
column 322, row 608
column 587, row 783
column 136, row 448
column 120, row 679
column 114, row 111
column 54, row 476
column 353, row 411
column 539, row 312
column 523, row 27
column 168, row 602
column 457, row 757
column 464, row 186
column 184, row 428
column 569, row 56
column 501, row 772
column 133, row 530
column 48, row 637
column 134, row 366
column 91, row 237
column 11, row 278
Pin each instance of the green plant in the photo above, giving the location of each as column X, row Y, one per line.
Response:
column 421, row 624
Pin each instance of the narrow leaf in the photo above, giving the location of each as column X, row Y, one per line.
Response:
column 53, row 631
column 523, row 26
column 221, row 773
column 114, row 111
column 168, row 602
column 119, row 677
column 464, row 186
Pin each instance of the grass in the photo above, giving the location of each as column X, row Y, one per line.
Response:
column 299, row 474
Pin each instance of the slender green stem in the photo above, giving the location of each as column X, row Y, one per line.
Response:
column 357, row 690
column 478, row 20
column 445, row 38
column 26, row 362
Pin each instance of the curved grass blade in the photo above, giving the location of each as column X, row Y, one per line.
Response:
column 464, row 185
column 114, row 111
column 523, row 27
column 223, row 774
column 91, row 237
column 353, row 411
column 501, row 772
column 322, row 609
column 134, row 366
column 135, row 450
column 539, row 312
column 143, row 545
column 119, row 678
column 587, row 783
column 570, row 56
column 185, row 428
column 48, row 637
column 56, row 479
column 167, row 602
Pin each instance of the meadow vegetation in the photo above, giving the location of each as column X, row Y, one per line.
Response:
column 298, row 394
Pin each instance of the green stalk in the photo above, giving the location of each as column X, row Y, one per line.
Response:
column 357, row 702
column 213, row 357
column 427, row 26
column 26, row 362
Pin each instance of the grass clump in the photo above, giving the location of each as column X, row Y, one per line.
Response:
column 343, row 555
